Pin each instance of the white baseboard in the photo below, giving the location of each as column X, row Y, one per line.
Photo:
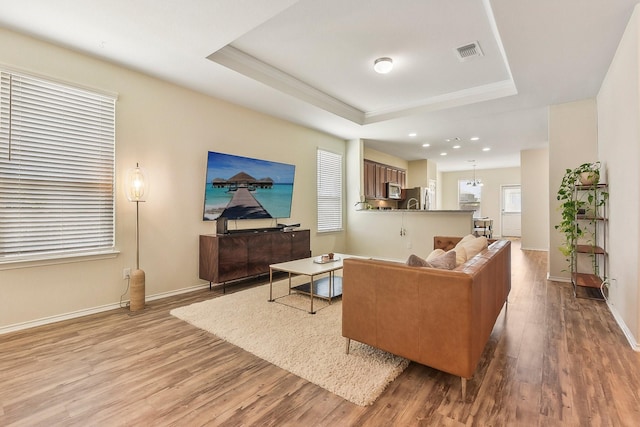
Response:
column 85, row 312
column 625, row 330
column 558, row 279
column 535, row 249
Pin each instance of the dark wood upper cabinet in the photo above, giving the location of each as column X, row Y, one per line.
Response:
column 376, row 175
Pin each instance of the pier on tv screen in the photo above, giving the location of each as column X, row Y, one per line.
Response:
column 246, row 188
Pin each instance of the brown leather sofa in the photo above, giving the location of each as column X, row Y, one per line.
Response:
column 439, row 318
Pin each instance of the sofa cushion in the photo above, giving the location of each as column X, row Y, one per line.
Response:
column 435, row 253
column 461, row 254
column 473, row 245
column 447, row 261
column 416, row 261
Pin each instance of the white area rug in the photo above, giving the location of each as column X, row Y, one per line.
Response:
column 310, row 346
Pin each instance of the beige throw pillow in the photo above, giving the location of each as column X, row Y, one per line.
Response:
column 473, row 246
column 435, row 253
column 461, row 255
column 445, row 262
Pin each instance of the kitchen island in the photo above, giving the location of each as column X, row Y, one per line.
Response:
column 398, row 233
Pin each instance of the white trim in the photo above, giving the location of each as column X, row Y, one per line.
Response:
column 623, row 327
column 558, row 279
column 88, row 311
column 39, row 261
column 245, row 64
column 34, row 74
column 535, row 249
column 625, row 330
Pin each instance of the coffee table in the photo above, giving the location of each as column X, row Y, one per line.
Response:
column 327, row 287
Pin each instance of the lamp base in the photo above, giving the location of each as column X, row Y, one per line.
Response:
column 136, row 293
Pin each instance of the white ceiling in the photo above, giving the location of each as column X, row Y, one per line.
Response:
column 311, row 62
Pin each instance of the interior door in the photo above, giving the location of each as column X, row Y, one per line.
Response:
column 511, row 211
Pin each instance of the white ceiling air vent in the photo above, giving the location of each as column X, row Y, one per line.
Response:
column 468, row 51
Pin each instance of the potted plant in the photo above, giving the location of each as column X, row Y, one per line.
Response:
column 585, row 206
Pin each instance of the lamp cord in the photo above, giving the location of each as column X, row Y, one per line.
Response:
column 125, row 292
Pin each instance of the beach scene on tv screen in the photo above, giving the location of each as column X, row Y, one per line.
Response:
column 245, row 188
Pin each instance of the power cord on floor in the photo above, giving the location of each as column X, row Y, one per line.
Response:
column 125, row 292
column 605, row 282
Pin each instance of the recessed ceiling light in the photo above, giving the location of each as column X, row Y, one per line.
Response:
column 383, row 65
column 447, row 140
column 413, row 134
column 474, row 138
column 426, row 144
column 456, row 146
column 486, row 149
column 443, row 153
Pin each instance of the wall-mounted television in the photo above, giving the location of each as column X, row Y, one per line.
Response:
column 245, row 188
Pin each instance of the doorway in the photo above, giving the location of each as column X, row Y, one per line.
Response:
column 511, row 211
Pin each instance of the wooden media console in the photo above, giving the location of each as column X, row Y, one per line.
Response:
column 227, row 257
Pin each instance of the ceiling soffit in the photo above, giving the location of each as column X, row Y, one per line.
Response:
column 357, row 95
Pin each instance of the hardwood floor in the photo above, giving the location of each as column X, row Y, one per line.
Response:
column 551, row 360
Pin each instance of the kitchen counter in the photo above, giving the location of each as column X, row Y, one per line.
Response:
column 465, row 211
column 398, row 233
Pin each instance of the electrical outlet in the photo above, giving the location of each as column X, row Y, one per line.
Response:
column 126, row 273
column 409, row 245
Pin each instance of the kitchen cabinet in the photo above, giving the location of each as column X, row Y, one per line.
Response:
column 376, row 175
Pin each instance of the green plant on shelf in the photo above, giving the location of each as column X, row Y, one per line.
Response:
column 587, row 206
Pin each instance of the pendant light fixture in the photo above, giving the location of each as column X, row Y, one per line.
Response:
column 475, row 182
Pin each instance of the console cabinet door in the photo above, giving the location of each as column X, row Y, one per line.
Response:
column 260, row 253
column 280, row 248
column 300, row 244
column 233, row 258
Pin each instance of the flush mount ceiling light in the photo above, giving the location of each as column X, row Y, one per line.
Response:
column 383, row 65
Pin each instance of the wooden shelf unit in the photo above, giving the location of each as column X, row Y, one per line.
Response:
column 590, row 284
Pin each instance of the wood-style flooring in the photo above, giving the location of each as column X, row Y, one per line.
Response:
column 552, row 360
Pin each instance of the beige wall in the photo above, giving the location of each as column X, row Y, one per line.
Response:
column 492, row 179
column 168, row 130
column 573, row 131
column 534, row 171
column 619, row 150
column 387, row 159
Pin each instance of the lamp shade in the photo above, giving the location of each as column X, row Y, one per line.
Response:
column 137, row 184
column 383, row 65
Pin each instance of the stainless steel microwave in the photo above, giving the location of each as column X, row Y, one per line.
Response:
column 394, row 191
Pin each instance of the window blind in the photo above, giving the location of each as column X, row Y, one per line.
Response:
column 329, row 182
column 57, row 147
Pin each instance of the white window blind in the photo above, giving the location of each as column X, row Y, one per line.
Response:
column 57, row 146
column 329, row 181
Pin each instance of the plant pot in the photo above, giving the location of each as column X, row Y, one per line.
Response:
column 589, row 178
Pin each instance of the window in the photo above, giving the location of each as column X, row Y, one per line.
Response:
column 329, row 191
column 57, row 146
column 470, row 196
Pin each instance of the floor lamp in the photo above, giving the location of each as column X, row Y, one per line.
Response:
column 137, row 187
